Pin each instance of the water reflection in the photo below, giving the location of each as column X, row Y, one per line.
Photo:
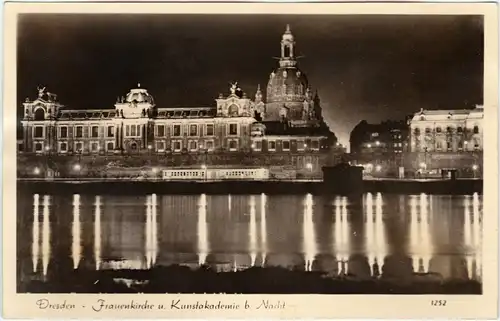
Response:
column 263, row 228
column 375, row 240
column 309, row 236
column 257, row 230
column 151, row 231
column 252, row 244
column 45, row 235
column 36, row 232
column 97, row 232
column 76, row 247
column 473, row 236
column 341, row 234
column 203, row 246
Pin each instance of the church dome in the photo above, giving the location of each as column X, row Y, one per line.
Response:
column 139, row 95
column 288, row 90
column 287, row 84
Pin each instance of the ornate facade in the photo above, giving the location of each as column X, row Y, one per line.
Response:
column 447, row 130
column 289, row 122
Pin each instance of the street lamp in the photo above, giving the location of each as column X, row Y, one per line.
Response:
column 378, row 168
column 377, row 143
column 77, row 167
column 36, row 171
column 369, row 145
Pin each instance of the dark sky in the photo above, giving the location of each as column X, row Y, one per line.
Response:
column 364, row 67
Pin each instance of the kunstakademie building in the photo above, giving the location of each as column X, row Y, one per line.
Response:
column 287, row 128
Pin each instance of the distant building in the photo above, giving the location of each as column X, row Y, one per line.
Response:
column 287, row 128
column 447, row 139
column 385, row 137
column 447, row 130
column 379, row 147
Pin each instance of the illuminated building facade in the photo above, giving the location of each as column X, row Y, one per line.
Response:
column 379, row 147
column 447, row 130
column 447, row 139
column 288, row 124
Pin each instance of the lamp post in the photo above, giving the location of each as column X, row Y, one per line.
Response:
column 474, row 170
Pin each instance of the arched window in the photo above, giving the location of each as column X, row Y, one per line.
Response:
column 233, row 110
column 416, row 131
column 427, row 130
column 448, row 129
column 459, row 129
column 438, row 129
column 40, row 114
column 476, row 129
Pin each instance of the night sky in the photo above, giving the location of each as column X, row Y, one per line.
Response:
column 364, row 67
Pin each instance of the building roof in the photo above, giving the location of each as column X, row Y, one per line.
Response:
column 86, row 114
column 277, row 128
column 445, row 114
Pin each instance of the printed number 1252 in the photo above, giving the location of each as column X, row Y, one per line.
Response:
column 438, row 303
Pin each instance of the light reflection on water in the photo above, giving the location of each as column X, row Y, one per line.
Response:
column 332, row 234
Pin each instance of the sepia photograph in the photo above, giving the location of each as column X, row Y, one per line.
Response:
column 266, row 153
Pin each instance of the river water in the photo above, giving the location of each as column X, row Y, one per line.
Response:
column 364, row 236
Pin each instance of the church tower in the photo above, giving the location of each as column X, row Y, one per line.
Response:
column 287, row 86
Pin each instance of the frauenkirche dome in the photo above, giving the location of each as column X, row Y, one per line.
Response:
column 288, row 87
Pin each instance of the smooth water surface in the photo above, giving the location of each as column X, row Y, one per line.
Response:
column 363, row 236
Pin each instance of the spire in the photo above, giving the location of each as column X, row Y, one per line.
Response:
column 287, row 58
column 258, row 95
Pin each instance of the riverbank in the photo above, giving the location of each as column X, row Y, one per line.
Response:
column 272, row 280
column 108, row 186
